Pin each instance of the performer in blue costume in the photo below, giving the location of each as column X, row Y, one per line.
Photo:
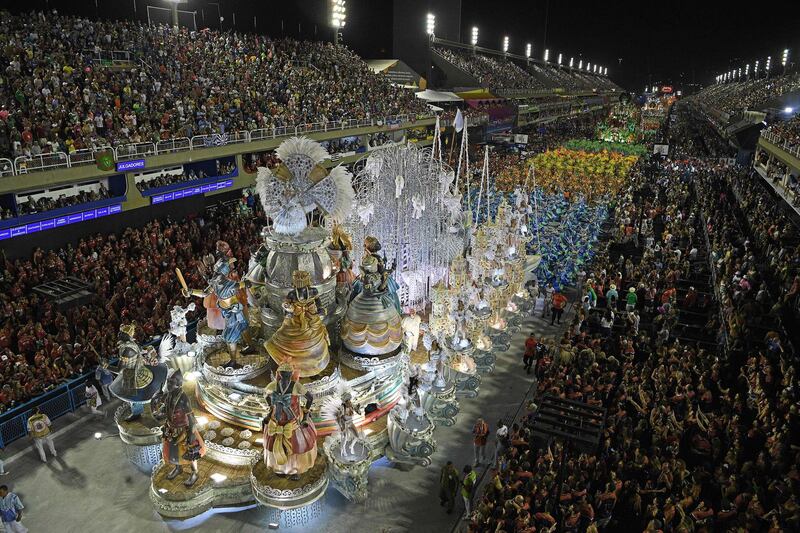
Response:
column 225, row 285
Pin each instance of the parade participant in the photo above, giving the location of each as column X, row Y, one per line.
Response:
column 182, row 443
column 104, row 377
column 559, row 303
column 302, row 337
column 480, row 436
column 230, row 299
column 11, row 511
column 290, row 438
column 411, row 327
column 448, row 486
column 530, row 352
column 93, row 398
column 142, row 375
column 347, row 427
column 177, row 326
column 39, row 432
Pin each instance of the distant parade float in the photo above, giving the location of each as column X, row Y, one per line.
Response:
column 304, row 372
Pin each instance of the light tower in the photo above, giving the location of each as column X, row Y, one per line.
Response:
column 338, row 17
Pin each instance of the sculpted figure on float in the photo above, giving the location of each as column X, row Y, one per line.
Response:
column 290, row 438
column 142, row 373
column 182, row 443
column 372, row 324
column 302, row 337
column 225, row 286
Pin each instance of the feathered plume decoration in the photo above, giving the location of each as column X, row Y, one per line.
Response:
column 301, row 184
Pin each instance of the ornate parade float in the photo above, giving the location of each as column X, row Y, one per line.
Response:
column 305, row 372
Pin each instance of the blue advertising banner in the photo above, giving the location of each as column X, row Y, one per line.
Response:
column 72, row 218
column 191, row 191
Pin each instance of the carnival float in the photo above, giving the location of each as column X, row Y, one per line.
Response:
column 370, row 310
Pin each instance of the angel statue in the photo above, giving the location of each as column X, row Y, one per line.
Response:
column 340, row 407
column 300, row 184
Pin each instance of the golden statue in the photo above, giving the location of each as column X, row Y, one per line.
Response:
column 302, row 338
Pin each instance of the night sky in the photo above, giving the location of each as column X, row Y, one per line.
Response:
column 675, row 43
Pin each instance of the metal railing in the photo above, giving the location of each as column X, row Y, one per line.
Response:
column 6, row 167
column 26, row 164
column 781, row 143
column 134, row 151
column 86, row 156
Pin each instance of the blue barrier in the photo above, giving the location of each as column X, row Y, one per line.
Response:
column 63, row 399
column 153, row 191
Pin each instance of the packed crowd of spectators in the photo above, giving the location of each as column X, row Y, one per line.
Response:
column 498, row 73
column 132, row 275
column 748, row 94
column 788, row 131
column 696, row 438
column 490, row 71
column 53, row 99
column 757, row 252
column 47, row 203
column 166, row 178
column 342, row 145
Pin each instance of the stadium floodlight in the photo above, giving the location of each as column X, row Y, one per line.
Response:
column 755, row 68
column 528, row 50
column 505, row 43
column 580, row 65
column 740, row 73
column 788, row 110
column 474, row 35
column 605, row 71
column 338, row 13
column 785, row 57
column 588, row 67
column 559, row 59
column 571, row 62
column 546, row 55
column 769, row 62
column 747, row 69
column 430, row 23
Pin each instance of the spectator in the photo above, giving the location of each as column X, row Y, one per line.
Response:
column 468, row 485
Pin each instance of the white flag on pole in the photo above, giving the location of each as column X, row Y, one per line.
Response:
column 458, row 123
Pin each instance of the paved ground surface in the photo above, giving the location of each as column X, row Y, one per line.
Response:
column 91, row 487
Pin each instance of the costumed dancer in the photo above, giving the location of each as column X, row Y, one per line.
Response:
column 302, row 337
column 411, row 325
column 231, row 299
column 177, row 326
column 345, row 415
column 182, row 443
column 290, row 438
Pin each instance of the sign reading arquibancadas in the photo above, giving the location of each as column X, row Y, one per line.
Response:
column 133, row 164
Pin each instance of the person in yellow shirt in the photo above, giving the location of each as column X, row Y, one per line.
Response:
column 39, row 432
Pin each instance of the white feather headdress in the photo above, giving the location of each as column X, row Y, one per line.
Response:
column 301, row 184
